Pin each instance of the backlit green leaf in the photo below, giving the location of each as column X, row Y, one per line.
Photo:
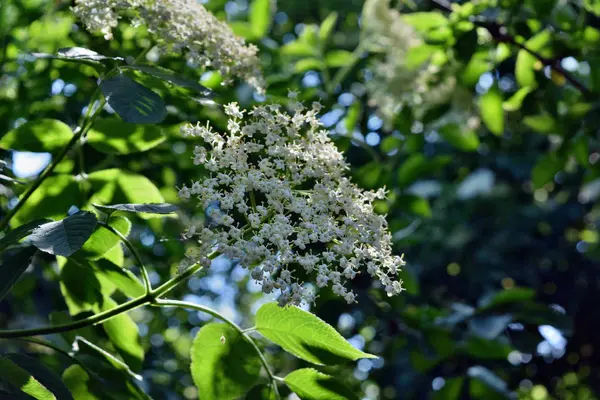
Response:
column 460, row 137
column 112, row 136
column 22, row 380
column 311, row 384
column 52, row 199
column 492, row 113
column 305, row 335
column 40, row 135
column 224, row 365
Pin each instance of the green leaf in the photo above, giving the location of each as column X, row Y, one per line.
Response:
column 298, row 49
column 542, row 123
column 525, row 64
column 524, row 69
column 579, row 147
column 64, row 237
column 171, row 77
column 592, row 6
column 113, row 136
column 310, row 384
column 11, row 272
column 390, row 143
column 103, row 240
column 123, row 279
column 414, row 205
column 52, row 199
column 23, row 380
column 162, row 208
column 78, row 382
column 118, row 186
column 115, row 256
column 411, row 169
column 425, row 21
column 19, row 233
column 545, row 169
column 260, row 17
column 339, row 58
column 40, row 135
column 307, row 64
column 478, row 64
column 133, row 102
column 327, row 27
column 124, row 335
column 80, row 287
column 459, row 137
column 224, row 365
column 492, row 113
column 516, row 100
column 353, row 116
column 305, row 335
column 112, row 379
column 42, row 374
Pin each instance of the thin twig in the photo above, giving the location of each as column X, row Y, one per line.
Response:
column 500, row 34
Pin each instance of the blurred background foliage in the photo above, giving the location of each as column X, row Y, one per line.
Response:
column 479, row 117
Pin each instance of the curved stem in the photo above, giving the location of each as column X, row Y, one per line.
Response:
column 242, row 332
column 135, row 254
column 105, row 315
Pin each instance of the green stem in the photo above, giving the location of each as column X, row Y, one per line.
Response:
column 136, row 255
column 105, row 315
column 242, row 332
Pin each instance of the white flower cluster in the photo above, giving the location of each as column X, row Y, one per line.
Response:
column 179, row 26
column 395, row 82
column 277, row 201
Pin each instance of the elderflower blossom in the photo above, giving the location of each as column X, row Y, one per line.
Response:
column 179, row 26
column 396, row 82
column 277, row 201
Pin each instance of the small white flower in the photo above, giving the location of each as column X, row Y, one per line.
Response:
column 282, row 195
column 179, row 26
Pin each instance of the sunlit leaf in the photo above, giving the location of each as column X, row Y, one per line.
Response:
column 224, row 365
column 260, row 17
column 23, row 381
column 460, row 137
column 492, row 113
column 327, row 27
column 39, row 135
column 311, row 384
column 112, row 136
column 305, row 335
